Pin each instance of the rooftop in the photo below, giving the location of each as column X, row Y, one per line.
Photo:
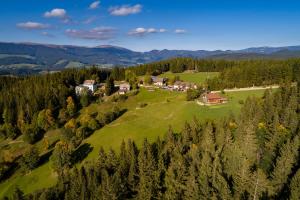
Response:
column 157, row 79
column 89, row 82
column 213, row 96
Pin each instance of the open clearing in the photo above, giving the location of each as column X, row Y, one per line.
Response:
column 198, row 78
column 164, row 109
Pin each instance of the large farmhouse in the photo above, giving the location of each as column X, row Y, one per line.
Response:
column 88, row 84
column 213, row 98
column 124, row 88
column 184, row 86
column 158, row 81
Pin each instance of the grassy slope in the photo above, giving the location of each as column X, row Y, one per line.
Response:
column 155, row 119
column 197, row 78
column 39, row 178
column 164, row 108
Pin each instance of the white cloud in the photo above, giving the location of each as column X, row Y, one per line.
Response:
column 98, row 33
column 94, row 5
column 47, row 34
column 125, row 10
column 152, row 30
column 89, row 20
column 32, row 25
column 143, row 31
column 180, row 31
column 57, row 13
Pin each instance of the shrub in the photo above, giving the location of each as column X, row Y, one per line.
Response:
column 117, row 98
column 4, row 168
column 10, row 131
column 71, row 124
column 101, row 119
column 82, row 132
column 32, row 134
column 241, row 102
column 30, row 159
column 61, row 156
column 2, row 132
column 93, row 124
column 192, row 94
column 142, row 105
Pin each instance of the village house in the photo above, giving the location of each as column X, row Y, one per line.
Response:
column 79, row 89
column 124, row 88
column 158, row 81
column 183, row 86
column 88, row 84
column 213, row 98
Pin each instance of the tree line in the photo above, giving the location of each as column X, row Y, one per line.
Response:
column 233, row 73
column 252, row 156
column 257, row 73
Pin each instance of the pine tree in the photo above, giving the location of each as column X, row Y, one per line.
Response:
column 109, row 86
column 246, row 155
column 147, row 188
column 284, row 164
column 192, row 190
column 133, row 167
column 205, row 174
column 176, row 176
column 218, row 181
column 259, row 184
column 30, row 158
column 295, row 186
column 61, row 157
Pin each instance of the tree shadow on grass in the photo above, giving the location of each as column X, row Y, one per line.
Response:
column 123, row 111
column 52, row 145
column 45, row 158
column 12, row 168
column 81, row 152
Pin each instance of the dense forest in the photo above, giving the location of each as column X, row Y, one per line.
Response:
column 177, row 65
column 257, row 73
column 28, row 104
column 252, row 156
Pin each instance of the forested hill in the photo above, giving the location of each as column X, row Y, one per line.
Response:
column 253, row 156
column 24, row 58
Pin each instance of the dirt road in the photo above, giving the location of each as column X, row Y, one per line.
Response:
column 248, row 89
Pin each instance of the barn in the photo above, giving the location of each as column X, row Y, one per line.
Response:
column 213, row 98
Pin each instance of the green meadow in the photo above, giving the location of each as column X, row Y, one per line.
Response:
column 164, row 109
column 198, row 78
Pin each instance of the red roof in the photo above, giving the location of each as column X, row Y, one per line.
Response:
column 211, row 96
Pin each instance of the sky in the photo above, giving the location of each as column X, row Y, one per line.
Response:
column 144, row 25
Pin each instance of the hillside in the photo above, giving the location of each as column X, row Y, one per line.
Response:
column 136, row 124
column 49, row 130
column 24, row 58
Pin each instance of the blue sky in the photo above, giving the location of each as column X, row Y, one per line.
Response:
column 153, row 24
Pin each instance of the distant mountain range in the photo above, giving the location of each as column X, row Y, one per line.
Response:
column 20, row 58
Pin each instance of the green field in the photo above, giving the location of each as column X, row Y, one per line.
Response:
column 197, row 78
column 164, row 109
